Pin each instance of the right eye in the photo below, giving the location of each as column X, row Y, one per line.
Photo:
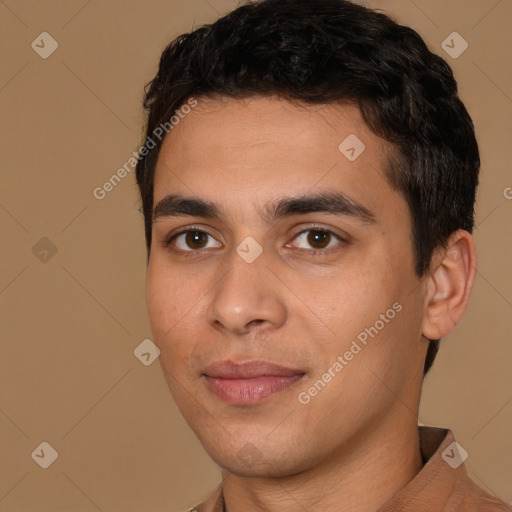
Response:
column 192, row 240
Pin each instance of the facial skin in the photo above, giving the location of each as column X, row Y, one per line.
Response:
column 357, row 439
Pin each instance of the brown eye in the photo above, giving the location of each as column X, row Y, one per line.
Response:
column 193, row 240
column 196, row 239
column 317, row 239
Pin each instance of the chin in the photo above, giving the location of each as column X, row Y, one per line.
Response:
column 258, row 461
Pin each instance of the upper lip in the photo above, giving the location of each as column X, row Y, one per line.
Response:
column 248, row 369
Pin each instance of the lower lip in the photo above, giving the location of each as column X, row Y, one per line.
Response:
column 250, row 391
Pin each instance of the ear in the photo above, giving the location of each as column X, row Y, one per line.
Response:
column 449, row 285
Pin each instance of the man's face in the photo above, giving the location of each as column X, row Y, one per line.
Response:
column 303, row 286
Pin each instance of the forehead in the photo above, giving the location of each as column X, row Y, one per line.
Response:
column 261, row 146
column 264, row 123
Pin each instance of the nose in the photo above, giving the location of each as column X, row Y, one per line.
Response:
column 249, row 296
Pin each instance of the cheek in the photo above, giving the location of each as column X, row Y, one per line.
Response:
column 176, row 314
column 361, row 304
column 161, row 304
column 167, row 305
column 168, row 295
column 392, row 350
column 352, row 300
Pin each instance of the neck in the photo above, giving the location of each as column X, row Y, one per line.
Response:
column 363, row 477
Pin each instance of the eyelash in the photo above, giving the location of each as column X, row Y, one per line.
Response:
column 316, row 252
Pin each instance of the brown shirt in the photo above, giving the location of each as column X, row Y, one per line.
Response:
column 441, row 486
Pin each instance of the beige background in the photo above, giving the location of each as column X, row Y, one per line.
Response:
column 70, row 325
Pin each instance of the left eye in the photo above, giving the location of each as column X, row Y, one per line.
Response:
column 318, row 239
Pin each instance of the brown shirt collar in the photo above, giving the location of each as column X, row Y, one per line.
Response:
column 441, row 486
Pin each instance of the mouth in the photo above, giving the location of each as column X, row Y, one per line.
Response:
column 250, row 382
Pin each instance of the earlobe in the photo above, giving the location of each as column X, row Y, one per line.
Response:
column 449, row 285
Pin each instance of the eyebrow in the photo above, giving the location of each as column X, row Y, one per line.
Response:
column 336, row 203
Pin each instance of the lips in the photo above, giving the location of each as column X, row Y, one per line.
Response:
column 249, row 382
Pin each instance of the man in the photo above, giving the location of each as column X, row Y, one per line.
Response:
column 308, row 197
